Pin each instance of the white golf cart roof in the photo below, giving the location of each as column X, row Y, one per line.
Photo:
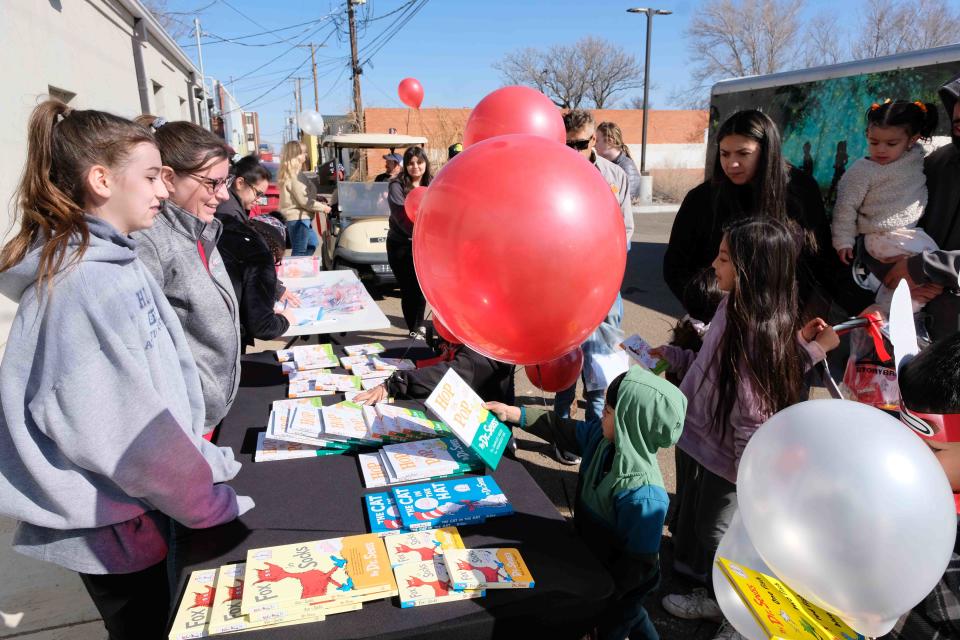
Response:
column 373, row 141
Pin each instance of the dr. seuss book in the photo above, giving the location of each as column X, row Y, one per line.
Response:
column 280, row 419
column 780, row 612
column 420, row 546
column 450, row 502
column 269, row 450
column 226, row 615
column 423, row 583
column 462, row 409
column 368, row 349
column 310, row 356
column 424, row 459
column 374, row 475
column 193, row 615
column 392, row 364
column 346, row 421
column 304, row 384
column 487, row 569
column 382, row 513
column 639, row 350
column 317, row 571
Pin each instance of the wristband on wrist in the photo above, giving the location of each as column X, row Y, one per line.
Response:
column 523, row 417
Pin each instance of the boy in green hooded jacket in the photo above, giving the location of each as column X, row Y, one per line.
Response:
column 621, row 502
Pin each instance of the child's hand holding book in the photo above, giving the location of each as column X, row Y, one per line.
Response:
column 504, row 413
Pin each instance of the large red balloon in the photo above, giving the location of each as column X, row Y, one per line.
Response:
column 558, row 374
column 514, row 110
column 412, row 203
column 411, row 92
column 520, row 247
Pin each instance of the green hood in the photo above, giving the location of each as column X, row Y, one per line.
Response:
column 649, row 417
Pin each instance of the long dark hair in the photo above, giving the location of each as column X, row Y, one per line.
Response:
column 408, row 155
column 62, row 145
column 759, row 342
column 769, row 186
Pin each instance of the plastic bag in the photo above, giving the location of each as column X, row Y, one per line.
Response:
column 603, row 359
column 870, row 376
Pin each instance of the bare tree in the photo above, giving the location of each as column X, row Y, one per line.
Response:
column 895, row 26
column 736, row 38
column 588, row 73
column 173, row 23
column 824, row 40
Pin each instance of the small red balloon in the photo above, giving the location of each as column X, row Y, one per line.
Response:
column 522, row 259
column 558, row 374
column 411, row 92
column 412, row 204
column 443, row 332
column 514, row 110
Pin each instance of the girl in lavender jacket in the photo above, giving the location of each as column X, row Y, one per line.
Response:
column 751, row 365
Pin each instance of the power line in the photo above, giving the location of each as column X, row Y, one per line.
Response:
column 399, row 24
column 250, row 103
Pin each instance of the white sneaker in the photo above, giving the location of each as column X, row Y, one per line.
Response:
column 727, row 632
column 694, row 606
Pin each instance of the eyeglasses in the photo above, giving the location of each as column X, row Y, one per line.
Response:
column 213, row 185
column 257, row 192
column 580, row 145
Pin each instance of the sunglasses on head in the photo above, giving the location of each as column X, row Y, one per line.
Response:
column 579, row 145
column 942, row 427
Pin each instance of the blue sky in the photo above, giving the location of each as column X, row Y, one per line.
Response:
column 450, row 46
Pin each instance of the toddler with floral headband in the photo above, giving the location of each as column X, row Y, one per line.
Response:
column 883, row 195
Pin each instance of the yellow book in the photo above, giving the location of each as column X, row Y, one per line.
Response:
column 487, row 569
column 193, row 615
column 780, row 612
column 421, row 546
column 226, row 617
column 423, row 583
column 315, row 572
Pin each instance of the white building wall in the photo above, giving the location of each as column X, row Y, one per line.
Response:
column 84, row 47
column 672, row 156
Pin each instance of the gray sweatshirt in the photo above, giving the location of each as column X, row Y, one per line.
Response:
column 204, row 300
column 101, row 415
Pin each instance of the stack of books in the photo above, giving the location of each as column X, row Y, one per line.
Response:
column 429, row 505
column 481, row 569
column 305, row 357
column 320, row 382
column 286, row 585
column 417, row 461
column 419, row 569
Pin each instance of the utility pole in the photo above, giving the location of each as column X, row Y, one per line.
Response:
column 205, row 110
column 316, row 91
column 357, row 103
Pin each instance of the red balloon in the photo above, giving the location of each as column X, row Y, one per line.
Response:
column 558, row 374
column 520, row 247
column 514, row 110
column 412, row 204
column 443, row 332
column 411, row 92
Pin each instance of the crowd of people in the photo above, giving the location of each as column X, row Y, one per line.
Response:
column 137, row 267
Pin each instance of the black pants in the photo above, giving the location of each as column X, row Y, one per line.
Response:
column 132, row 605
column 400, row 256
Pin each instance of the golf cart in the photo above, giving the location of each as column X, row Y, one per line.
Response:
column 357, row 226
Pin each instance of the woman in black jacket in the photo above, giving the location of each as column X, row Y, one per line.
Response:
column 250, row 262
column 750, row 177
column 416, row 173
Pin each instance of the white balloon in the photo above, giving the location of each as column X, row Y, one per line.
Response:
column 848, row 507
column 736, row 546
column 311, row 122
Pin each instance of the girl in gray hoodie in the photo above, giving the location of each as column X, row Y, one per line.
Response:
column 101, row 412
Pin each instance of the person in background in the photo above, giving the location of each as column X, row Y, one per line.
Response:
column 750, row 366
column 581, row 136
column 392, row 165
column 621, row 502
column 416, row 173
column 610, row 145
column 749, row 178
column 101, row 410
column 180, row 251
column 295, row 204
column 454, row 149
column 249, row 260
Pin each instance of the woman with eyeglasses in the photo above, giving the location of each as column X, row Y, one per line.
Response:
column 180, row 251
column 250, row 261
column 295, row 203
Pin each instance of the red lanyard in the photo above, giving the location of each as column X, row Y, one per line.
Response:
column 203, row 255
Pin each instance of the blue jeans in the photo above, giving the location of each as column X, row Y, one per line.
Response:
column 594, row 399
column 303, row 238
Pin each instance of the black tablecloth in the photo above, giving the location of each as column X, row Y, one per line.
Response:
column 316, row 498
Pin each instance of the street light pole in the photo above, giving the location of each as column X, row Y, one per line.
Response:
column 646, row 80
